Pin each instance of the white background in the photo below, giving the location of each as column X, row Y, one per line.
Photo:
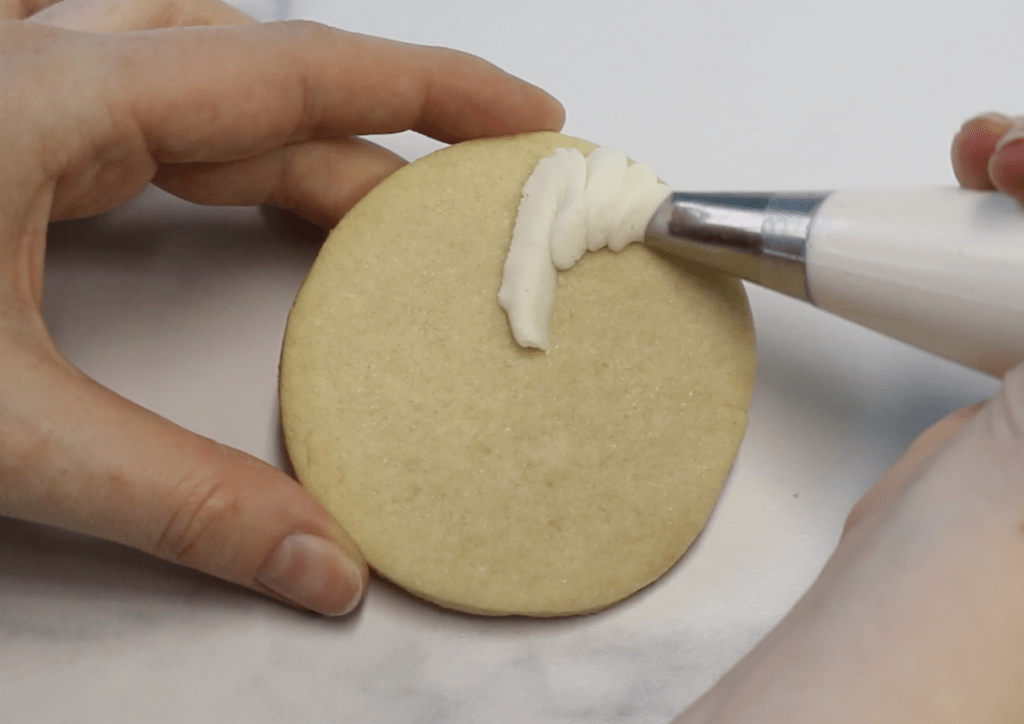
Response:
column 182, row 309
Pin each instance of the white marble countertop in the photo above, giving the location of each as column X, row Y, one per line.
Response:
column 182, row 309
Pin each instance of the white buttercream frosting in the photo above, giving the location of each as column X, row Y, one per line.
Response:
column 570, row 204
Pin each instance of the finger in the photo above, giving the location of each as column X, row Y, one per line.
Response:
column 21, row 9
column 318, row 180
column 78, row 456
column 112, row 16
column 1006, row 166
column 222, row 94
column 227, row 94
column 973, row 147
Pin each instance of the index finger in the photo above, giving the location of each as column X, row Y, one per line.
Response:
column 119, row 16
column 21, row 9
column 217, row 94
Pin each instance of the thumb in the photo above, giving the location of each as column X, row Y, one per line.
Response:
column 974, row 480
column 997, row 435
column 76, row 455
column 978, row 447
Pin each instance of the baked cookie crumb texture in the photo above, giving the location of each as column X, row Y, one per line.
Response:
column 483, row 476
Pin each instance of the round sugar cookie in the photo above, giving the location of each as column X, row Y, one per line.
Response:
column 489, row 478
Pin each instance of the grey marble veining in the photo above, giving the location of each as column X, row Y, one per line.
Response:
column 172, row 645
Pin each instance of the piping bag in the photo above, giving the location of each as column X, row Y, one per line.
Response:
column 939, row 268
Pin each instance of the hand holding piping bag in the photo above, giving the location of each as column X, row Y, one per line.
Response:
column 919, row 614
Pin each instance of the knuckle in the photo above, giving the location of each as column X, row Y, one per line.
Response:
column 304, row 28
column 204, row 508
column 287, row 191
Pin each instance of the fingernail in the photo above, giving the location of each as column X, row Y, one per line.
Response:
column 313, row 573
column 987, row 126
column 1015, row 133
column 991, row 116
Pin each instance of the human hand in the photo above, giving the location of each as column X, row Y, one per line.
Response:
column 223, row 115
column 918, row 616
column 988, row 153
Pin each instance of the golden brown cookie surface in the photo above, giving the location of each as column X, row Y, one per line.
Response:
column 482, row 476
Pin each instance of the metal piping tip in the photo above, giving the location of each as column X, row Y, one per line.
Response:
column 759, row 237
